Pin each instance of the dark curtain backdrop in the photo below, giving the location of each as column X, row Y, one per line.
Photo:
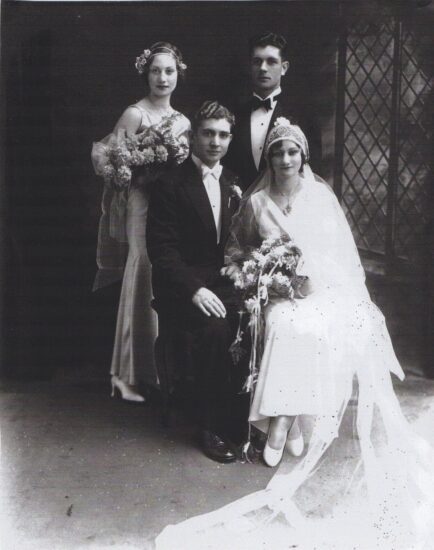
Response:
column 67, row 74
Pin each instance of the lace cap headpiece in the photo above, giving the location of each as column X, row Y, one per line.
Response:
column 282, row 130
column 143, row 59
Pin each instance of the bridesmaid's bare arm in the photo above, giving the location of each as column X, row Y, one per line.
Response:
column 130, row 121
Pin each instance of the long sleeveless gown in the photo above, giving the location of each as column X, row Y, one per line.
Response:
column 137, row 323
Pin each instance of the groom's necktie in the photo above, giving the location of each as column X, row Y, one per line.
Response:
column 215, row 172
column 257, row 102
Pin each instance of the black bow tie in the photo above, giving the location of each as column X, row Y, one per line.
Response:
column 257, row 103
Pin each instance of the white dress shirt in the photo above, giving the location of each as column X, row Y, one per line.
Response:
column 211, row 181
column 259, row 122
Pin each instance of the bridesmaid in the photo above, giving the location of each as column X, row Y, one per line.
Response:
column 121, row 240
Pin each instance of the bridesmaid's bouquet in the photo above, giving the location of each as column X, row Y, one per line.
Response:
column 269, row 271
column 144, row 153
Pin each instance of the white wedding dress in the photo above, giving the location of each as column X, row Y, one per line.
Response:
column 329, row 357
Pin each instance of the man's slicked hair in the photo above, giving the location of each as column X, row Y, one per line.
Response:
column 269, row 39
column 212, row 109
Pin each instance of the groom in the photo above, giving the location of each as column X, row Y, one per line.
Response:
column 188, row 223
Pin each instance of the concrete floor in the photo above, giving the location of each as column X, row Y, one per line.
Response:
column 80, row 470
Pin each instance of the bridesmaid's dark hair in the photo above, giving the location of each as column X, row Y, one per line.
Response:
column 269, row 39
column 212, row 109
column 167, row 48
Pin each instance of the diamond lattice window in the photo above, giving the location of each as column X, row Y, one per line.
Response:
column 367, row 160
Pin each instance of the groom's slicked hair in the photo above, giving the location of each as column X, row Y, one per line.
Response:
column 212, row 109
column 269, row 39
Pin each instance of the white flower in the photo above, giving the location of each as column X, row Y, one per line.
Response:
column 251, row 304
column 281, row 279
column 108, row 173
column 282, row 121
column 124, row 174
column 248, row 266
column 279, row 251
column 239, row 282
column 137, row 158
column 142, row 60
column 249, row 279
column 236, row 191
column 266, row 279
column 161, row 153
column 259, row 258
column 148, row 155
column 267, row 244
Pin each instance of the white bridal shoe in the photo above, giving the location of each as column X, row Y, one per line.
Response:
column 271, row 456
column 295, row 446
column 126, row 391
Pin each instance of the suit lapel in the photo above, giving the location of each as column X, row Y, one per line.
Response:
column 276, row 114
column 196, row 190
column 230, row 203
column 225, row 206
column 245, row 133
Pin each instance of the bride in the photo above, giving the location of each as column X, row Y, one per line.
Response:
column 327, row 359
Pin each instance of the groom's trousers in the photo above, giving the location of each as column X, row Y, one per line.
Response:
column 218, row 381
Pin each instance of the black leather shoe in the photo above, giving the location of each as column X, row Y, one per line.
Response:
column 215, row 448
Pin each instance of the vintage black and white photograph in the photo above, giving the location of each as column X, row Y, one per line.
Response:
column 217, row 275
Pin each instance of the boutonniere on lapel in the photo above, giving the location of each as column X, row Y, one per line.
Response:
column 235, row 192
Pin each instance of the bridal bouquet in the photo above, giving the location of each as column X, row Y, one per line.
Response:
column 269, row 271
column 148, row 151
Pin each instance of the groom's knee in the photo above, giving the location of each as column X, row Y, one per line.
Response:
column 215, row 329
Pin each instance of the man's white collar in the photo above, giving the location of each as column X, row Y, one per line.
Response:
column 271, row 96
column 215, row 171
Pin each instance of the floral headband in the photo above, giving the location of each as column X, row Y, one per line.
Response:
column 282, row 130
column 147, row 55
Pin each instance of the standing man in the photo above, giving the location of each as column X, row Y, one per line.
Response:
column 189, row 217
column 268, row 64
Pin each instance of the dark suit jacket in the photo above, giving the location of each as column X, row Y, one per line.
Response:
column 181, row 236
column 240, row 157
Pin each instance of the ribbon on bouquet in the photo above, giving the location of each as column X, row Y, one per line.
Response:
column 118, row 217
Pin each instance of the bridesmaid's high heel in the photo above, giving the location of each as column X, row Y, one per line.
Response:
column 125, row 390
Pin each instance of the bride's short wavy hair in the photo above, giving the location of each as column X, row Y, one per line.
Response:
column 212, row 109
column 276, row 145
column 144, row 61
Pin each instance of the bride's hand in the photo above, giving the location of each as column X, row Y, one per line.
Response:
column 230, row 271
column 305, row 289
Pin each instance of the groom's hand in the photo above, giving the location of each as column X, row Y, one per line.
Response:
column 209, row 303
